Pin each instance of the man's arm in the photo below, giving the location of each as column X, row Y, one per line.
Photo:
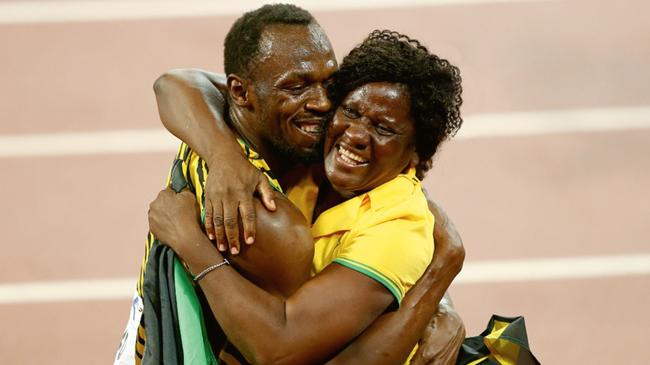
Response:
column 320, row 318
column 442, row 338
column 191, row 107
column 391, row 338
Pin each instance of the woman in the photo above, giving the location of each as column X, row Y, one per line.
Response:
column 395, row 104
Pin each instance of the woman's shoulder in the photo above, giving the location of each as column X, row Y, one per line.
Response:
column 404, row 199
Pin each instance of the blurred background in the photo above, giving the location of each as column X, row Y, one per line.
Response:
column 548, row 180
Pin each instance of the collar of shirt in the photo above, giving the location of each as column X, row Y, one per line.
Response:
column 256, row 160
column 343, row 217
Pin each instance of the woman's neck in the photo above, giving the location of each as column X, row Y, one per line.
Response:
column 327, row 198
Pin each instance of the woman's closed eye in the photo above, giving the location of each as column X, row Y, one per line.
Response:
column 350, row 112
column 384, row 130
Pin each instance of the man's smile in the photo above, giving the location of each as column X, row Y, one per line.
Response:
column 312, row 126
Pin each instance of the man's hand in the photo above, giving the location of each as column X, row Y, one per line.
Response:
column 441, row 339
column 445, row 332
column 229, row 194
column 191, row 105
column 173, row 218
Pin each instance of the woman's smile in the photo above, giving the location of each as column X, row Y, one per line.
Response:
column 348, row 157
column 370, row 139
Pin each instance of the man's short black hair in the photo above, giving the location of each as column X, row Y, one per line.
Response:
column 241, row 47
column 433, row 83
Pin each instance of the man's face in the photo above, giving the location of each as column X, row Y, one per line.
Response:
column 289, row 81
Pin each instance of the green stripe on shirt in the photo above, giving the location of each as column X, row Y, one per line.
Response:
column 373, row 274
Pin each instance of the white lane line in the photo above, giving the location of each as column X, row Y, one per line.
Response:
column 497, row 271
column 72, row 11
column 475, row 126
column 554, row 269
column 67, row 291
column 88, row 143
column 555, row 121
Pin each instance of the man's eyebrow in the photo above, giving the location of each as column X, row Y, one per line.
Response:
column 301, row 75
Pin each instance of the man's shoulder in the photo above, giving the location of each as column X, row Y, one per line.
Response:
column 280, row 259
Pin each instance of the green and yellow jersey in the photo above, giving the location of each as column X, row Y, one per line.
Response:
column 194, row 172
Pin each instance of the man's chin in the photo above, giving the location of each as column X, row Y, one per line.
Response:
column 299, row 154
column 307, row 154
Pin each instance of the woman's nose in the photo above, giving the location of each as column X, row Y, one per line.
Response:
column 358, row 133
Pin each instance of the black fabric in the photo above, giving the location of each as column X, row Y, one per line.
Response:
column 163, row 344
column 178, row 181
column 231, row 350
column 475, row 348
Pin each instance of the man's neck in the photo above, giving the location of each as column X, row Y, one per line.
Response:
column 243, row 127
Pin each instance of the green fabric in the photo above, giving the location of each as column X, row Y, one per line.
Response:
column 196, row 347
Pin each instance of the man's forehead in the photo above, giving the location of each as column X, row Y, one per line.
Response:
column 294, row 41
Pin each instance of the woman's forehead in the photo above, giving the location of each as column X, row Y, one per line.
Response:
column 381, row 95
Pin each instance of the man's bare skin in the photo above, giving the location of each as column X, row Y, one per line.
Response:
column 252, row 258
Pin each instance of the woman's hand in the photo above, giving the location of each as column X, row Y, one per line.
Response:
column 174, row 219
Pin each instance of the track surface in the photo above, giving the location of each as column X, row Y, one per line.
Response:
column 513, row 197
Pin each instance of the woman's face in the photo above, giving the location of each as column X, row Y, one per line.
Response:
column 371, row 138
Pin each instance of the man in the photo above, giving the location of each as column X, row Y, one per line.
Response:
column 278, row 61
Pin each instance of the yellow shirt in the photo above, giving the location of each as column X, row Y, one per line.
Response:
column 386, row 234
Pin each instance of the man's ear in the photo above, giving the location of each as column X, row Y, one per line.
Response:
column 238, row 89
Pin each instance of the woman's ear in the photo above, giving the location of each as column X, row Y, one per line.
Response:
column 238, row 90
column 414, row 160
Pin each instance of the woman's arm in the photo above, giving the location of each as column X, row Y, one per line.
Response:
column 321, row 317
column 191, row 106
column 392, row 337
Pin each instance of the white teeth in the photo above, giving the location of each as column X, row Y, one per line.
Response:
column 351, row 157
column 310, row 128
column 346, row 159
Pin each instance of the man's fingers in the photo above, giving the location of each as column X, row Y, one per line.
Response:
column 247, row 212
column 219, row 232
column 209, row 225
column 231, row 225
column 267, row 193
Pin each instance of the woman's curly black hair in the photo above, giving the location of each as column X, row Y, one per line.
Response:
column 434, row 86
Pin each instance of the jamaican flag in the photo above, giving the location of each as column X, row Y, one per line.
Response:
column 172, row 309
column 173, row 326
column 504, row 342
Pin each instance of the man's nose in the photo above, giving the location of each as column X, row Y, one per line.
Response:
column 319, row 101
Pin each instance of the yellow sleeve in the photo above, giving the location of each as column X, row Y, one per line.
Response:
column 394, row 252
column 198, row 175
column 189, row 171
